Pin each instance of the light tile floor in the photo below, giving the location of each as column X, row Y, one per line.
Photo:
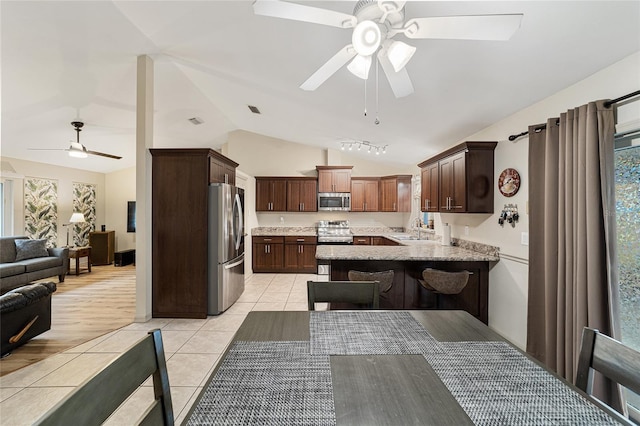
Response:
column 192, row 349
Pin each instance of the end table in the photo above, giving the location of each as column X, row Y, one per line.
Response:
column 77, row 253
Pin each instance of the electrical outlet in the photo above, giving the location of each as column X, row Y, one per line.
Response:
column 466, row 230
column 281, row 219
column 524, row 238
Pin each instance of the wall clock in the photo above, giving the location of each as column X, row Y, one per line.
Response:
column 509, row 182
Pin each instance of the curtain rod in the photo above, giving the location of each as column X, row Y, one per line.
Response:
column 607, row 104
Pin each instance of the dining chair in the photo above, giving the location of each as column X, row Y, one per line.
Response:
column 99, row 396
column 610, row 357
column 343, row 291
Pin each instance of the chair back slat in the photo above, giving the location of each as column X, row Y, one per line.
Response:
column 610, row 357
column 98, row 397
column 343, row 291
column 618, row 362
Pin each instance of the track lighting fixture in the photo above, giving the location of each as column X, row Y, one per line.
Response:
column 359, row 144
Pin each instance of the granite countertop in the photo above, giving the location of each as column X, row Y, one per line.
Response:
column 415, row 250
column 302, row 231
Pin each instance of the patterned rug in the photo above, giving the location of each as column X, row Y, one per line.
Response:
column 268, row 383
column 369, row 333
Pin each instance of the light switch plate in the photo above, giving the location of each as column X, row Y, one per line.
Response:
column 524, row 238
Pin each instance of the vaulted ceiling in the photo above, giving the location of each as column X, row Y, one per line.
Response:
column 77, row 59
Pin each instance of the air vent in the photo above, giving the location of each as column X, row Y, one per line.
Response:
column 196, row 120
column 254, row 109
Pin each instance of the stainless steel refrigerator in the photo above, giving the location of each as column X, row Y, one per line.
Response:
column 226, row 246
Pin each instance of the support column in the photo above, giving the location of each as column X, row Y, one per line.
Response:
column 144, row 141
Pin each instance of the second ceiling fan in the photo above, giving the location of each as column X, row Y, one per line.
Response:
column 375, row 23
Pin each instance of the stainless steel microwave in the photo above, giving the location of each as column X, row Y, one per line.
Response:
column 334, row 201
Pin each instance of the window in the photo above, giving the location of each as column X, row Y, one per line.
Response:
column 627, row 193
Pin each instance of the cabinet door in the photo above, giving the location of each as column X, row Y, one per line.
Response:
column 291, row 256
column 371, row 189
column 279, row 197
column 294, row 202
column 229, row 174
column 388, row 195
column 271, row 195
column 357, row 195
column 325, row 181
column 452, row 183
column 264, row 195
column 342, row 180
column 429, row 188
column 308, row 258
column 309, row 195
column 268, row 257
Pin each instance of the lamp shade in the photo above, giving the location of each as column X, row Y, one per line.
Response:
column 366, row 38
column 77, row 218
column 399, row 54
column 360, row 66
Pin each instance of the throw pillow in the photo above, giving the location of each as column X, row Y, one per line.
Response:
column 28, row 249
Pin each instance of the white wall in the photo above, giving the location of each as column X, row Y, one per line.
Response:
column 120, row 188
column 66, row 177
column 260, row 155
column 508, row 279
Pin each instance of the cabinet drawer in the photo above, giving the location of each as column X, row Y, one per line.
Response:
column 268, row 239
column 307, row 239
column 362, row 241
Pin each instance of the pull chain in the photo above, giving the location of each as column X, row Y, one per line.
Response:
column 365, row 98
column 377, row 121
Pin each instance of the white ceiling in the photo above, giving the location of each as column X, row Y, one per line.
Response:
column 64, row 60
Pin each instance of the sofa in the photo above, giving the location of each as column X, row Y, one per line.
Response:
column 23, row 261
column 25, row 312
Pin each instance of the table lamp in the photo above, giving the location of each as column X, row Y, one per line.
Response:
column 75, row 218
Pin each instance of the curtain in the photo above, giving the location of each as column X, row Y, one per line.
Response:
column 572, row 263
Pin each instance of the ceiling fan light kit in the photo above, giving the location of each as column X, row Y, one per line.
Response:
column 375, row 23
column 76, row 150
column 360, row 66
column 399, row 54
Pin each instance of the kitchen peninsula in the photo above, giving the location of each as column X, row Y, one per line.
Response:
column 408, row 261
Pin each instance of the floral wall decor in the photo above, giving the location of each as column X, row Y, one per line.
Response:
column 84, row 201
column 41, row 209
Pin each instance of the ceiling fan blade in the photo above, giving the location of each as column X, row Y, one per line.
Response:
column 329, row 68
column 474, row 27
column 299, row 12
column 399, row 81
column 102, row 154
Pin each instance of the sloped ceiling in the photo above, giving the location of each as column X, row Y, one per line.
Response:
column 76, row 59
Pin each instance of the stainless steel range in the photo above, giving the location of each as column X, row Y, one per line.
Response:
column 334, row 232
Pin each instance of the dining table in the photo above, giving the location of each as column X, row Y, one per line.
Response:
column 371, row 367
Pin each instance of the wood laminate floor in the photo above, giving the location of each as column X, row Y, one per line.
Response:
column 84, row 307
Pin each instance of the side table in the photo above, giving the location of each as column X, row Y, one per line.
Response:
column 77, row 253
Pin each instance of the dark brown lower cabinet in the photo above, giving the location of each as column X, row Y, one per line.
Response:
column 268, row 254
column 407, row 292
column 284, row 254
column 300, row 254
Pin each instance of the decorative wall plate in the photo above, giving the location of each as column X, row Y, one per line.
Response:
column 509, row 182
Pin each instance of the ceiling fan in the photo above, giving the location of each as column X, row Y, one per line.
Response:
column 375, row 23
column 76, row 149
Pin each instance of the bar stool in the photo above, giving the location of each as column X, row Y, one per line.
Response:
column 443, row 282
column 385, row 278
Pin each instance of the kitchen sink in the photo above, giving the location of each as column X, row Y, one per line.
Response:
column 403, row 237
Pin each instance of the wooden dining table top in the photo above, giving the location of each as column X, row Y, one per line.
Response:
column 417, row 378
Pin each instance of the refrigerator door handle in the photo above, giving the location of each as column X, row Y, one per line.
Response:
column 234, row 264
column 237, row 207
